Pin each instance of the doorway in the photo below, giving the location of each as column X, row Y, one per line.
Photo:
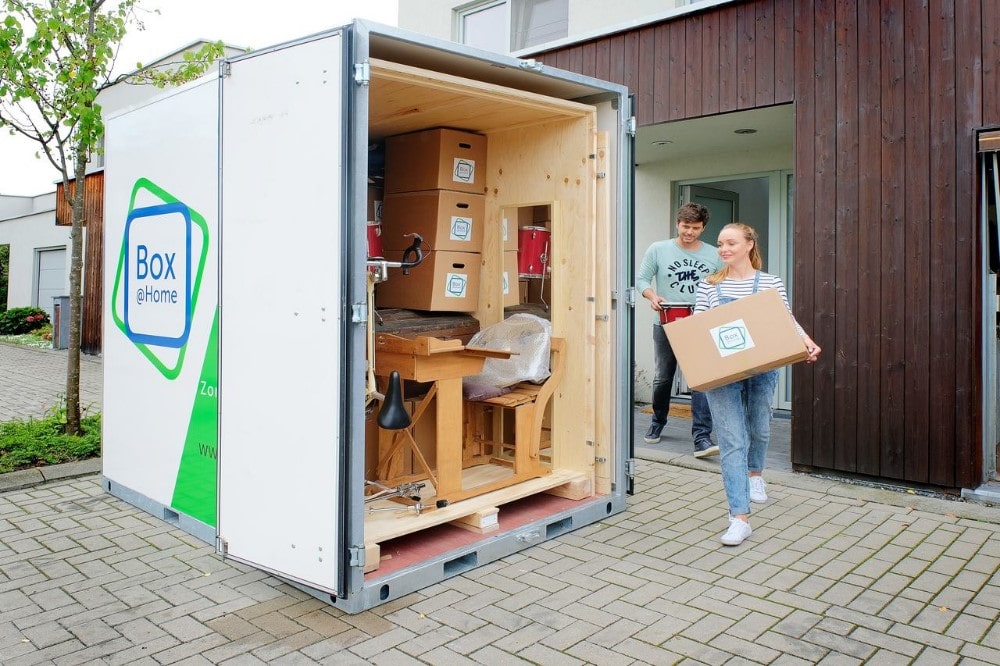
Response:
column 763, row 201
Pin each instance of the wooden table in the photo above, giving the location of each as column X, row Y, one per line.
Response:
column 444, row 362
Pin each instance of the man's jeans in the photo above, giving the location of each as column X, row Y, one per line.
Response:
column 742, row 412
column 663, row 380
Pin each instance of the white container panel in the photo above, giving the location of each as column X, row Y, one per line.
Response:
column 281, row 334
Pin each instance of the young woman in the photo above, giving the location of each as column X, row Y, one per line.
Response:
column 741, row 411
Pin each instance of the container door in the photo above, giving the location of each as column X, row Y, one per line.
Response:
column 282, row 316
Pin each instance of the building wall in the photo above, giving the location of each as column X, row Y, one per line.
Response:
column 26, row 234
column 888, row 94
column 436, row 17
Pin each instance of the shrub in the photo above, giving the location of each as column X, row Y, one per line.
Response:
column 39, row 442
column 22, row 320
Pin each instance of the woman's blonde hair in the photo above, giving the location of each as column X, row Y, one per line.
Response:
column 755, row 259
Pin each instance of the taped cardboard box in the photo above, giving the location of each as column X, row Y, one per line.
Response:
column 737, row 340
column 445, row 220
column 443, row 282
column 444, row 159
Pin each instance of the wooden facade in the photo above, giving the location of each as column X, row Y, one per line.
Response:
column 93, row 285
column 888, row 95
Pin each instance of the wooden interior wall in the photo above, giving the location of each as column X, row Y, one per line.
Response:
column 887, row 96
column 90, row 331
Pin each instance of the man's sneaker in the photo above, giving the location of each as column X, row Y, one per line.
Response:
column 738, row 532
column 758, row 489
column 705, row 448
column 653, row 434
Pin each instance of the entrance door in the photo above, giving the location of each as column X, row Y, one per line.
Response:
column 723, row 207
column 50, row 280
column 281, row 402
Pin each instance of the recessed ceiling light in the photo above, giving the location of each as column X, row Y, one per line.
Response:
column 662, row 142
column 745, row 130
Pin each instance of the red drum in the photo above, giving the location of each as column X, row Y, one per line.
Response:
column 375, row 241
column 532, row 251
column 673, row 311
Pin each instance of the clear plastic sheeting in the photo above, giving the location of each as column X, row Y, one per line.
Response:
column 525, row 334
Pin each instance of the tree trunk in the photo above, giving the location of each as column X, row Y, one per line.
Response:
column 75, row 296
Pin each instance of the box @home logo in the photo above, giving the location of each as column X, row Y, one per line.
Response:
column 160, row 266
column 732, row 338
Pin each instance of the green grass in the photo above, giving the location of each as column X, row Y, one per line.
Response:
column 40, row 442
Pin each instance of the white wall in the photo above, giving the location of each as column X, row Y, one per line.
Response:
column 26, row 234
column 655, row 206
column 435, row 17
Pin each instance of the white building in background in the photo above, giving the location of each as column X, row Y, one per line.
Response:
column 39, row 251
column 518, row 26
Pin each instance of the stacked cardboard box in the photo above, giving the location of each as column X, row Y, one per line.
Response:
column 434, row 188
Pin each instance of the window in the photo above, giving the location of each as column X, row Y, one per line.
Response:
column 511, row 25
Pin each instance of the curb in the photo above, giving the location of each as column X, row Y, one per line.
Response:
column 29, row 478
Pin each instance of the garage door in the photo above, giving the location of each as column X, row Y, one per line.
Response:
column 51, row 278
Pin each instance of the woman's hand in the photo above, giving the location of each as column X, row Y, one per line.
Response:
column 812, row 348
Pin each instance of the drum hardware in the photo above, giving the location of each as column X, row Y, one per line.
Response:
column 673, row 311
column 408, row 490
column 378, row 271
column 533, row 256
column 418, row 508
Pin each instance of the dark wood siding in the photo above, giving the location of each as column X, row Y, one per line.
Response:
column 888, row 94
column 93, row 285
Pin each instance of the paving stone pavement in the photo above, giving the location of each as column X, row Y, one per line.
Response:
column 88, row 579
column 833, row 574
column 32, row 381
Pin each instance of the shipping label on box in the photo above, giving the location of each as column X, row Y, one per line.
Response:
column 737, row 340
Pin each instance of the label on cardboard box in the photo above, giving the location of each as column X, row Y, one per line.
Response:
column 455, row 285
column 461, row 228
column 465, row 171
column 732, row 338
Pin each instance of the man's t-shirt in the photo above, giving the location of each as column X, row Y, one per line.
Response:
column 676, row 271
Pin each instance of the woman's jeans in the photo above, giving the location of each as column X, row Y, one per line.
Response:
column 742, row 417
column 663, row 380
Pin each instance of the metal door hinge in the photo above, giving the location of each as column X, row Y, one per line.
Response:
column 531, row 64
column 357, row 555
column 630, row 468
column 226, row 70
column 630, row 126
column 630, row 297
column 362, row 74
column 359, row 313
column 221, row 546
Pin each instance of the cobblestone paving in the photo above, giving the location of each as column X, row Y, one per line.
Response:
column 88, row 579
column 34, row 380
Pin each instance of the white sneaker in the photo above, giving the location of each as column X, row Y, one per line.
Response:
column 737, row 533
column 758, row 489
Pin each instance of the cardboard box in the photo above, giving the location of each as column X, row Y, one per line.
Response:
column 444, row 282
column 511, row 290
column 445, row 220
column 737, row 340
column 444, row 159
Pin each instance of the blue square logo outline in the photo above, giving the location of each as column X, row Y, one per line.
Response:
column 152, row 211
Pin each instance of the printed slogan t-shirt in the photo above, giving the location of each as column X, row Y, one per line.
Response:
column 676, row 271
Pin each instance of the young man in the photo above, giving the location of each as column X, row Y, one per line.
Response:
column 669, row 272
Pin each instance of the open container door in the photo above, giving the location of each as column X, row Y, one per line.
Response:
column 281, row 452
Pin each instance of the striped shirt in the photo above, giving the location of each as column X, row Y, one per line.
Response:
column 706, row 296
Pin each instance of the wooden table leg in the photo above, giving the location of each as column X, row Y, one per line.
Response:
column 449, row 437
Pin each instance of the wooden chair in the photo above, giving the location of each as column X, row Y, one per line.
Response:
column 485, row 423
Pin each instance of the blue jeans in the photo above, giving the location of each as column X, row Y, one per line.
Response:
column 663, row 380
column 742, row 412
